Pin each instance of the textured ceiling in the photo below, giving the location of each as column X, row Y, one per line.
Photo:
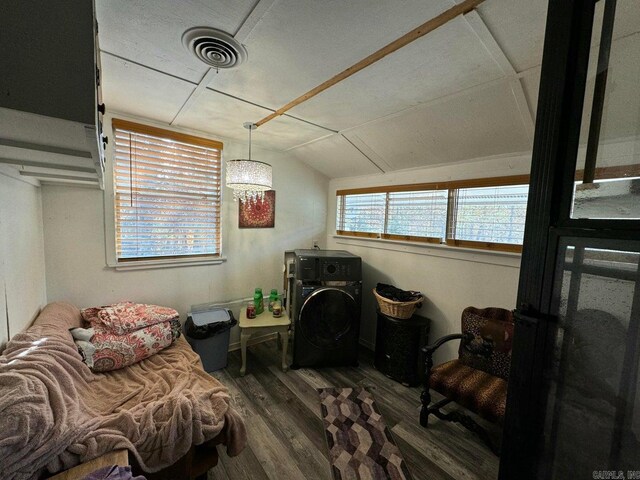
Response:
column 466, row 90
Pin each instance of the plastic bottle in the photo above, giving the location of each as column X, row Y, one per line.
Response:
column 258, row 301
column 273, row 297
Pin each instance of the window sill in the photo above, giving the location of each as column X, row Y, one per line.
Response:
column 492, row 257
column 165, row 263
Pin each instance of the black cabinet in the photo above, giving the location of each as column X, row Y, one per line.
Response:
column 50, row 90
column 398, row 344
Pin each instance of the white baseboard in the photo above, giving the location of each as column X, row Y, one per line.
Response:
column 253, row 340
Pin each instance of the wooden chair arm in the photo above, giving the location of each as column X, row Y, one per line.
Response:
column 430, row 349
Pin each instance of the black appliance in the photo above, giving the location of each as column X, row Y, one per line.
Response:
column 398, row 348
column 326, row 294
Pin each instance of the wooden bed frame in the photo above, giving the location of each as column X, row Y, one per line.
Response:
column 194, row 465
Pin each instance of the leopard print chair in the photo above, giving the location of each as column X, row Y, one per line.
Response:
column 478, row 378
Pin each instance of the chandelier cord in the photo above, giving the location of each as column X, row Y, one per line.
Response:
column 250, row 142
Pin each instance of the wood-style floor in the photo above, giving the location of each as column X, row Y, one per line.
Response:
column 286, row 436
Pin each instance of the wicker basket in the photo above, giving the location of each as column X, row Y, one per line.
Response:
column 393, row 309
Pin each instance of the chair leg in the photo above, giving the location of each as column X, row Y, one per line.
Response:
column 425, row 398
column 427, row 409
column 469, row 424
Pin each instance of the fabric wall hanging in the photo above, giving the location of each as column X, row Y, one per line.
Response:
column 258, row 213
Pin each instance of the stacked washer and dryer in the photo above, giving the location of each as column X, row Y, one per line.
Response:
column 325, row 288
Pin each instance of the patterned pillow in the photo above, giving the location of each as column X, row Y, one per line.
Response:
column 126, row 317
column 104, row 351
column 90, row 314
column 487, row 341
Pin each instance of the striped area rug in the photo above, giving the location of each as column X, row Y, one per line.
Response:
column 360, row 444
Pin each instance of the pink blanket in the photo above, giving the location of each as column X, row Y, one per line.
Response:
column 56, row 413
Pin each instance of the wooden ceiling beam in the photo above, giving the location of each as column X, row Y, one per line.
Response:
column 416, row 33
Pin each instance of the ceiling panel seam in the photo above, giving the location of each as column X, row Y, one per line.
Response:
column 523, row 107
column 197, row 85
column 496, row 52
column 432, row 102
column 124, row 59
column 259, row 10
column 308, row 122
column 489, row 42
column 240, row 99
column 309, row 142
column 428, row 103
column 369, row 151
column 363, row 154
column 243, row 31
column 195, row 94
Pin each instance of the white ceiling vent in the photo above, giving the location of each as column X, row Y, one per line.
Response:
column 214, row 47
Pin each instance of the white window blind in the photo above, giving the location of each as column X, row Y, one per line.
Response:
column 167, row 193
column 490, row 214
column 418, row 214
column 486, row 213
column 363, row 213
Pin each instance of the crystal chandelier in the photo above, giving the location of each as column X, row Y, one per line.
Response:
column 248, row 178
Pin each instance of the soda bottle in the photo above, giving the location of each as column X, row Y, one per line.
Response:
column 258, row 301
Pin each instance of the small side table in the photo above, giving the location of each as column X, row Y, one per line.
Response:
column 263, row 323
column 398, row 344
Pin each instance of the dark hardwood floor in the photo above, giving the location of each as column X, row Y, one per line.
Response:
column 286, row 436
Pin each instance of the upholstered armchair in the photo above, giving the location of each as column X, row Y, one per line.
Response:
column 478, row 378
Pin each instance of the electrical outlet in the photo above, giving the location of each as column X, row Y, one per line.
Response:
column 316, row 244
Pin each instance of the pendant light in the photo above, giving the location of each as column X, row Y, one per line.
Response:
column 248, row 178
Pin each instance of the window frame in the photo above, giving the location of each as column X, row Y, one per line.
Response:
column 601, row 173
column 169, row 261
column 451, row 187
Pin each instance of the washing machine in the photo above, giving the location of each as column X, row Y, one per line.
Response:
column 326, row 294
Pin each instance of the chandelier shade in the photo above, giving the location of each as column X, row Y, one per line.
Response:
column 248, row 178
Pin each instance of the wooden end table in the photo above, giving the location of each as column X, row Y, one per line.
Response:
column 263, row 323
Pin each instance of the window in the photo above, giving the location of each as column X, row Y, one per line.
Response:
column 167, row 194
column 417, row 214
column 489, row 214
column 362, row 213
column 484, row 213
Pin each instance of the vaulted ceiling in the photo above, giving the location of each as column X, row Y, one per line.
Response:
column 466, row 90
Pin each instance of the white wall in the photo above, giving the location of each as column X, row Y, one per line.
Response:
column 22, row 266
column 74, row 228
column 451, row 278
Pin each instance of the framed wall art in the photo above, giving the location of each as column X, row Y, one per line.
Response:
column 259, row 213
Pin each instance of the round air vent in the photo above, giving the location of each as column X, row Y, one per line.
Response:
column 214, row 47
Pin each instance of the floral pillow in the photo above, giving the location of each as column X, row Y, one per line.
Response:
column 126, row 317
column 104, row 351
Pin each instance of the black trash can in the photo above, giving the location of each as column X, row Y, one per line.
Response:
column 208, row 334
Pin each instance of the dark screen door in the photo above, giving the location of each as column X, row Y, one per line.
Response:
column 573, row 409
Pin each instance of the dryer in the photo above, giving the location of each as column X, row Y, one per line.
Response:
column 326, row 294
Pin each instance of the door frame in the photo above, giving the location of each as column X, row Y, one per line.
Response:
column 563, row 78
